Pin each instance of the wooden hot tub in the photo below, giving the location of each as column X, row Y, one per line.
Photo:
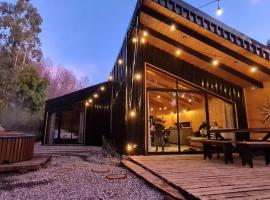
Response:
column 16, row 147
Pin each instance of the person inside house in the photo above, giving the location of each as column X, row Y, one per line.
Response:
column 216, row 135
column 202, row 132
column 159, row 134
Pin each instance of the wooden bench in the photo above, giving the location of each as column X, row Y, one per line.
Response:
column 246, row 151
column 218, row 146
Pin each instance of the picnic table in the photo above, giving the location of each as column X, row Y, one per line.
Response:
column 246, row 147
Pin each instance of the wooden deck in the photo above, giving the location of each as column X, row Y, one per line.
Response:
column 209, row 179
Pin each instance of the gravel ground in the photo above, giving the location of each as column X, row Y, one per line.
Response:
column 76, row 177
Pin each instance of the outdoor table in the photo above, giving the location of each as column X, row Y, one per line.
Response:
column 245, row 147
column 243, row 130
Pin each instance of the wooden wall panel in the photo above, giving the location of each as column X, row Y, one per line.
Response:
column 254, row 99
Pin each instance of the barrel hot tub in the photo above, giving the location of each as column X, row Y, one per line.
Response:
column 16, row 147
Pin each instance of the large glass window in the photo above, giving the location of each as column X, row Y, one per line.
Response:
column 221, row 114
column 180, row 108
column 192, row 120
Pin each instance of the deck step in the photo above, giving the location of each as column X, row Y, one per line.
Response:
column 153, row 180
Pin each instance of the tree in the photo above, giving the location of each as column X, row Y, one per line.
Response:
column 61, row 80
column 19, row 30
column 268, row 43
column 7, row 79
column 31, row 90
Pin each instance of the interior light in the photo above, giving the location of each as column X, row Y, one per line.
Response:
column 183, row 95
column 253, row 69
column 165, row 108
column 151, row 109
column 95, row 95
column 173, row 27
column 215, row 62
column 160, row 108
column 120, row 61
column 158, row 97
column 171, row 113
column 219, row 10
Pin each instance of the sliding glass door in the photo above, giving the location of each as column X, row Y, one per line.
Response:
column 163, row 135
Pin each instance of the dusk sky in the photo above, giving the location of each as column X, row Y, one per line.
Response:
column 86, row 35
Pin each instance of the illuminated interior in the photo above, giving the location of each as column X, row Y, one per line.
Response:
column 182, row 111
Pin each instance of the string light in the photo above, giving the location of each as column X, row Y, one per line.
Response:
column 120, row 61
column 215, row 62
column 158, row 97
column 132, row 113
column 102, row 88
column 134, row 39
column 173, row 27
column 86, row 104
column 90, row 100
column 253, row 69
column 143, row 40
column 145, row 33
column 219, row 10
column 138, row 76
column 178, row 52
column 110, row 78
column 95, row 95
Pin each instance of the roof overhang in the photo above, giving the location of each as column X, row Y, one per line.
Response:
column 202, row 39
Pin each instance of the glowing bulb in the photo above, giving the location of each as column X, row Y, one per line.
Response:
column 96, row 95
column 151, row 109
column 86, row 104
column 110, row 78
column 190, row 100
column 134, row 39
column 120, row 61
column 171, row 113
column 138, row 77
column 145, row 33
column 215, row 62
column 129, row 147
column 183, row 95
column 90, row 100
column 158, row 97
column 178, row 52
column 165, row 108
column 173, row 27
column 160, row 108
column 132, row 113
column 253, row 69
column 219, row 11
column 102, row 88
column 143, row 40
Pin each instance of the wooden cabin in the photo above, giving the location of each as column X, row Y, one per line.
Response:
column 179, row 66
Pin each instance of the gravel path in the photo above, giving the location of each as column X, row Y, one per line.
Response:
column 76, row 177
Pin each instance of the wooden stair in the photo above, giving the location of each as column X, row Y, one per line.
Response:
column 153, row 180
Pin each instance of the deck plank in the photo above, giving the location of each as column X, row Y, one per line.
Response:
column 210, row 179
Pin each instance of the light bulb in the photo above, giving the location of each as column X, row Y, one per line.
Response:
column 219, row 11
